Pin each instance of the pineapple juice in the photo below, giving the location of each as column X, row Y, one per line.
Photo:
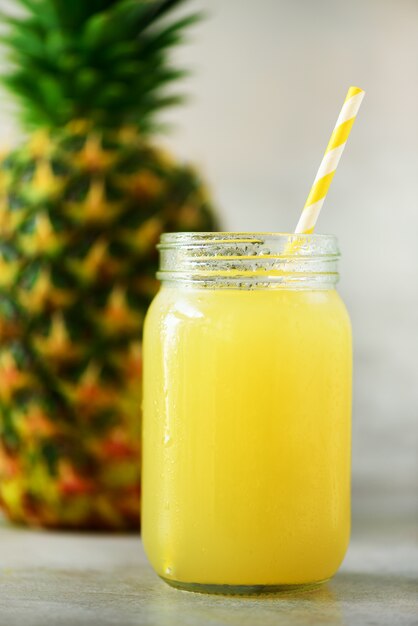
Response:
column 246, row 466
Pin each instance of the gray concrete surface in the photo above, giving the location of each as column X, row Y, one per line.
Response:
column 57, row 579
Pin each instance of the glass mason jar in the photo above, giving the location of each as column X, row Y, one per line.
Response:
column 247, row 410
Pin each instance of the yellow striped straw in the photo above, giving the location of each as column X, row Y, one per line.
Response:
column 330, row 161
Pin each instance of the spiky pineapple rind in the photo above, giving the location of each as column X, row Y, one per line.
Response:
column 88, row 209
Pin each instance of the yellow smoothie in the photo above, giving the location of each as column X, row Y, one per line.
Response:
column 246, row 465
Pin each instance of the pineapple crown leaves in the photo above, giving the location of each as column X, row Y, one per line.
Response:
column 102, row 60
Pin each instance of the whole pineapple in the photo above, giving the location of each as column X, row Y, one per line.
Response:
column 82, row 205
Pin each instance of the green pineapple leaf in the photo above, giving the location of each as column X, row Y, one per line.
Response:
column 102, row 60
column 72, row 15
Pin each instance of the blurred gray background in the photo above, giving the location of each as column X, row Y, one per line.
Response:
column 269, row 79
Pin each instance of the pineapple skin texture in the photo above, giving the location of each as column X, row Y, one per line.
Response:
column 81, row 212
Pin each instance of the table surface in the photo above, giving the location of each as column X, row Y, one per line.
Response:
column 67, row 579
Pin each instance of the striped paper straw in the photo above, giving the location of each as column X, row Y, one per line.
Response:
column 330, row 161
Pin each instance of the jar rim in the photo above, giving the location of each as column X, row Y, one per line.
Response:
column 283, row 244
column 174, row 237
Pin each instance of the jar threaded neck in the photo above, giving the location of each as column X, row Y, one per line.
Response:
column 249, row 260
